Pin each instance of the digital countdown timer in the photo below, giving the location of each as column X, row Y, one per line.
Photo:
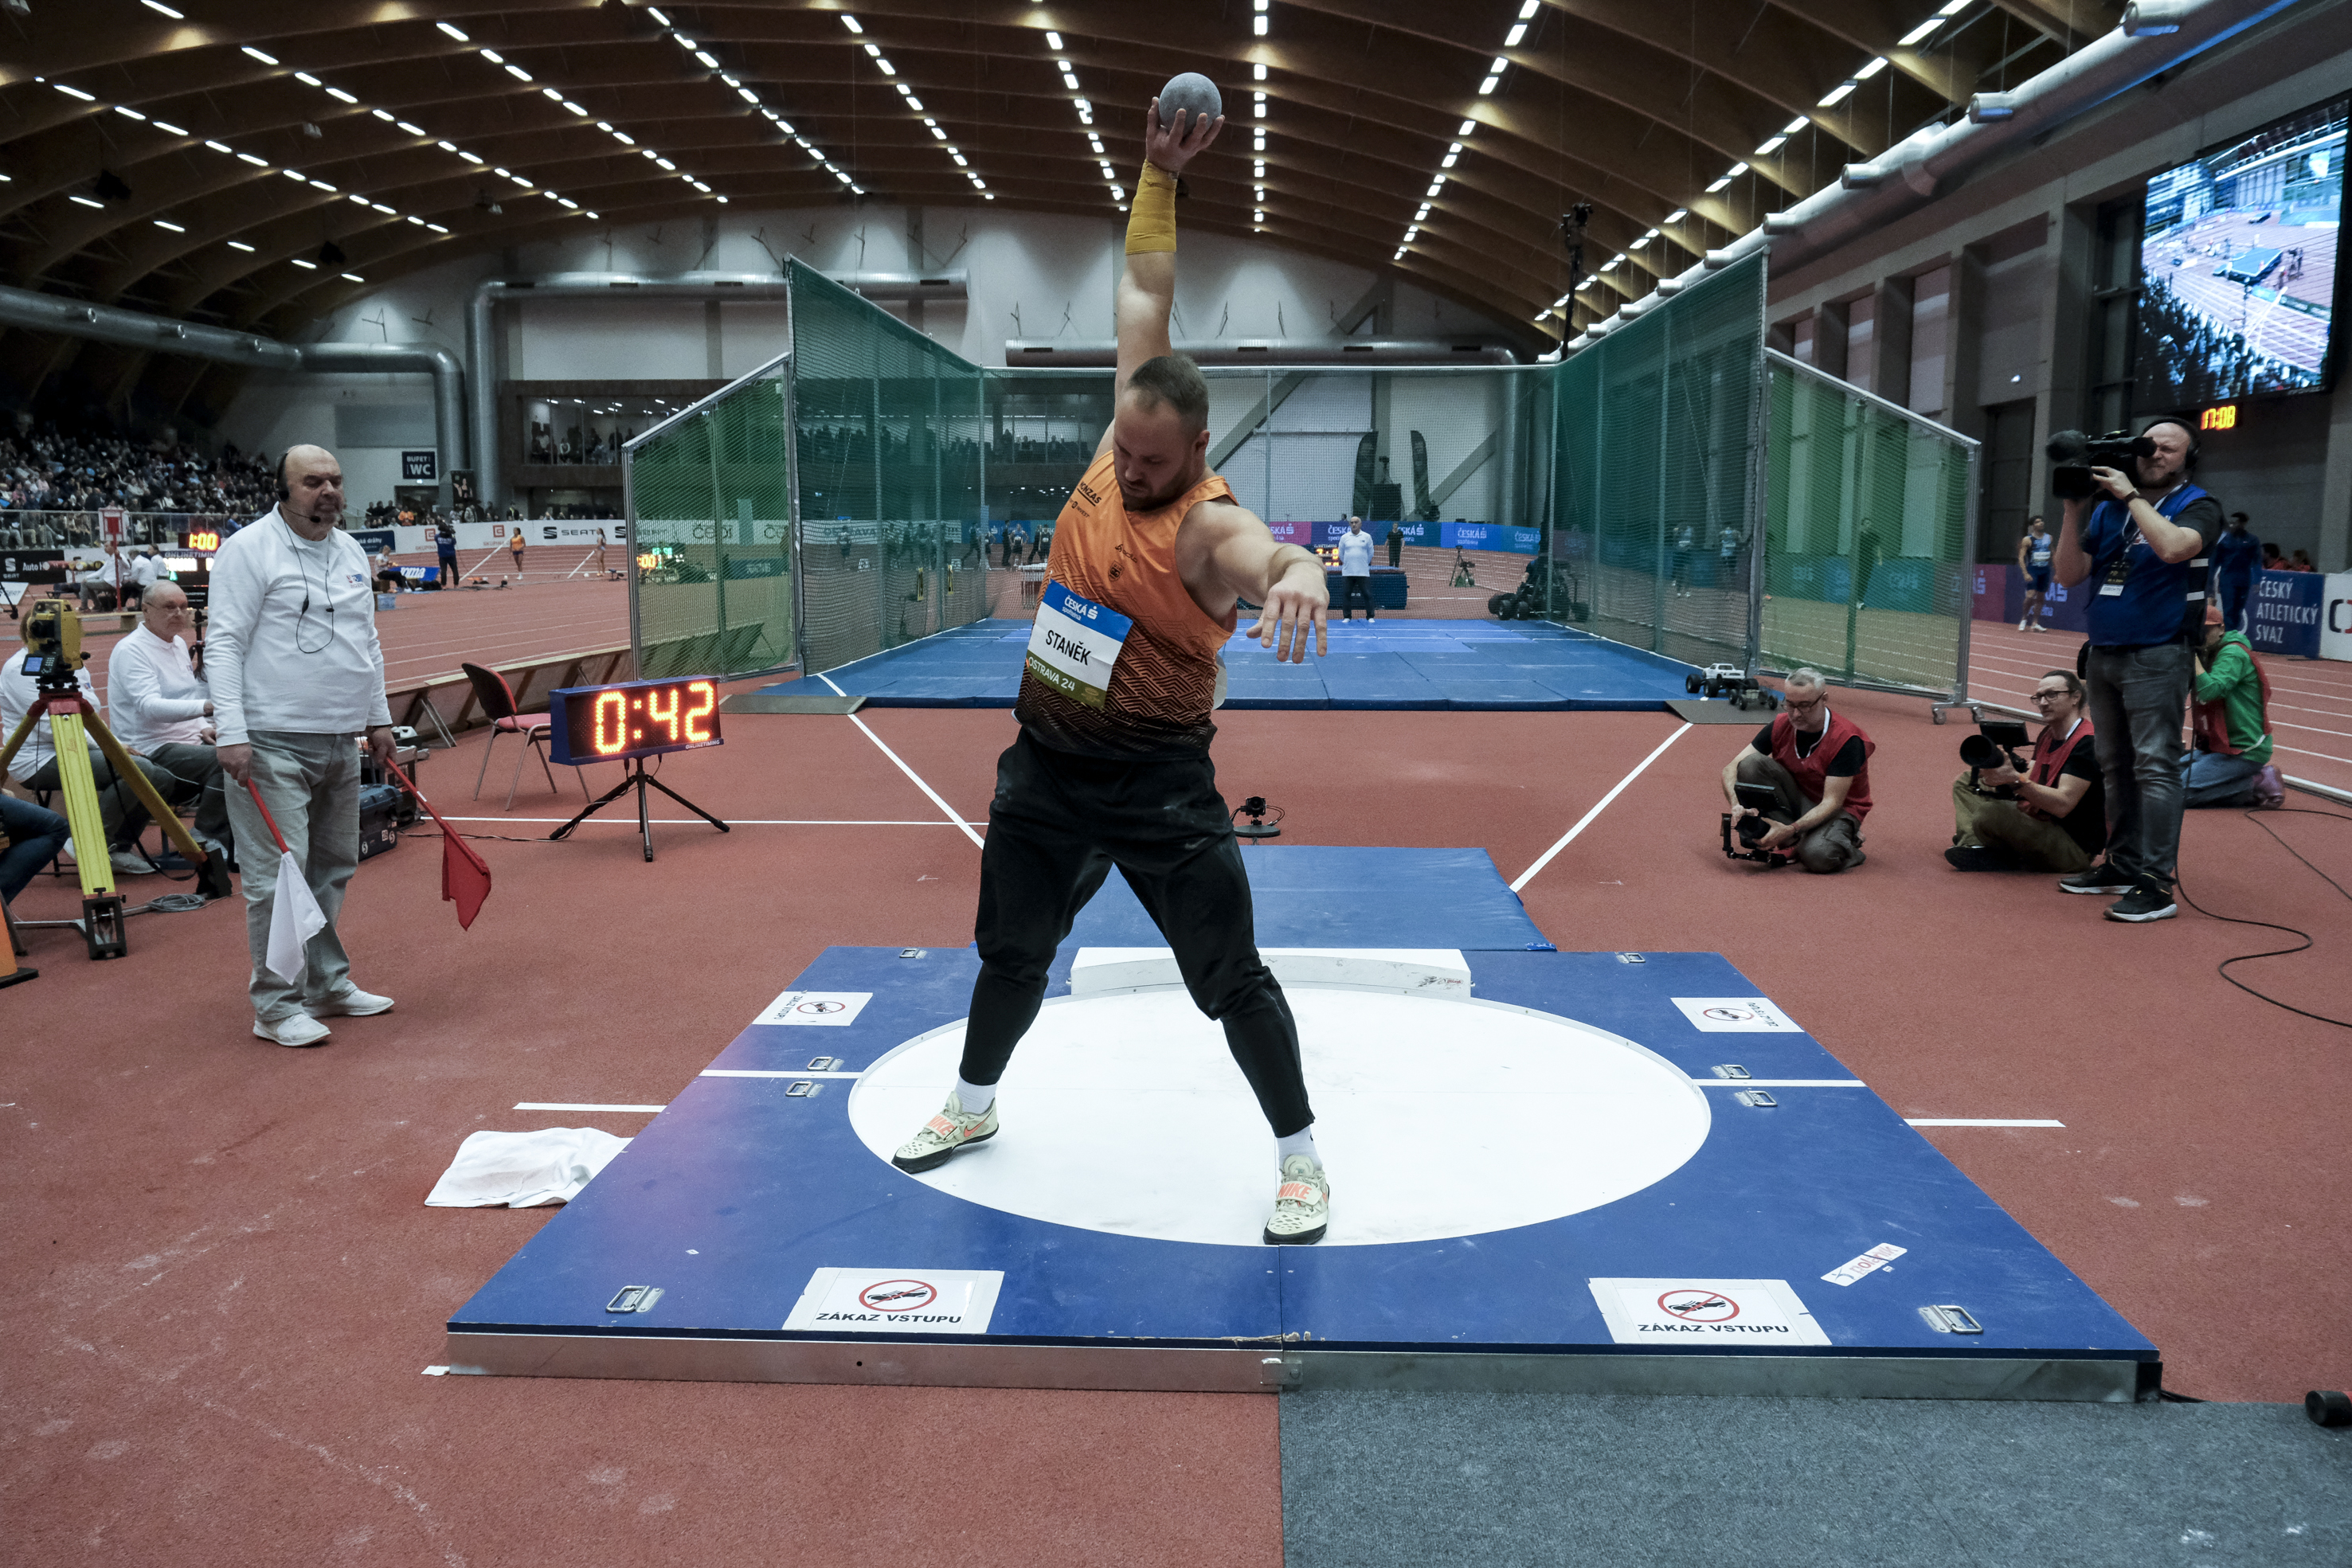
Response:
column 2223, row 416
column 636, row 719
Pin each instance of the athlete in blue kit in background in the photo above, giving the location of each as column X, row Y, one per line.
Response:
column 2033, row 554
column 2237, row 557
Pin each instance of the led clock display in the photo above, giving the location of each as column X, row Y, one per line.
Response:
column 636, row 719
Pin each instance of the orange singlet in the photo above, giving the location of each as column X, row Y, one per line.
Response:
column 1165, row 679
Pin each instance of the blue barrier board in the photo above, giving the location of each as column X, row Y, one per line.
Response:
column 1812, row 1244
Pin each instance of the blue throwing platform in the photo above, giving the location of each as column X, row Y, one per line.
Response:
column 1610, row 1172
column 1476, row 666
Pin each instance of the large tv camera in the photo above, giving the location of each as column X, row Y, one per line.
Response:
column 1748, row 831
column 1990, row 746
column 2076, row 454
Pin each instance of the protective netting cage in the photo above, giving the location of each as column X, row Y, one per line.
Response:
column 1869, row 514
column 1671, row 486
column 710, row 503
column 1656, row 480
column 886, row 433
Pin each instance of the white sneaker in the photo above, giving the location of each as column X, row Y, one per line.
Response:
column 352, row 1004
column 2022, row 626
column 953, row 1128
column 127, row 863
column 1302, row 1204
column 298, row 1030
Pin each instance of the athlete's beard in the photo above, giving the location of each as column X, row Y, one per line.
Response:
column 1183, row 482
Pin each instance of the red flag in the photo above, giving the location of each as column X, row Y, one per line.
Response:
column 465, row 879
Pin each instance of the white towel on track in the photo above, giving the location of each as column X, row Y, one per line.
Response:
column 523, row 1170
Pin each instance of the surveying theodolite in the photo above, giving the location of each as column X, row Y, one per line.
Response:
column 54, row 658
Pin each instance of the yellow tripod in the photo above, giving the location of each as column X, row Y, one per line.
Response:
column 54, row 657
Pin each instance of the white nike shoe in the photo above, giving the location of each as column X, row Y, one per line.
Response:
column 298, row 1030
column 953, row 1128
column 1302, row 1204
column 352, row 1004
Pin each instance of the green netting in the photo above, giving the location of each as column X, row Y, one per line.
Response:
column 888, row 429
column 1655, row 479
column 1866, row 538
column 709, row 501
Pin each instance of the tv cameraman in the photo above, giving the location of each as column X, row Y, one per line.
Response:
column 2058, row 820
column 1818, row 766
column 2143, row 538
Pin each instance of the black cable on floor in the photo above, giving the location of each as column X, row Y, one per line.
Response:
column 2171, row 1396
column 2223, row 967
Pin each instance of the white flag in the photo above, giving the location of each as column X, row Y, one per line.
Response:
column 294, row 918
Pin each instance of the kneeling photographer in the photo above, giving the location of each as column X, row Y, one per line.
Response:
column 1817, row 766
column 2051, row 818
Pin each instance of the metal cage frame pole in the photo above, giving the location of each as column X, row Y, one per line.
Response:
column 1973, row 450
column 1756, row 504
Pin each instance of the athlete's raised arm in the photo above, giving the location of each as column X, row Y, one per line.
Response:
column 1147, row 287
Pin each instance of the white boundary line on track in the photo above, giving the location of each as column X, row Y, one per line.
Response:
column 1581, row 822
column 561, row 1105
column 952, row 814
column 1971, row 1122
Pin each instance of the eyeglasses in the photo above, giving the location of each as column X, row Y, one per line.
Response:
column 2049, row 696
column 1793, row 705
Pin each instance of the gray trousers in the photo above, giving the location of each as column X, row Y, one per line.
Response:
column 2140, row 698
column 125, row 816
column 311, row 783
column 1832, row 847
column 194, row 775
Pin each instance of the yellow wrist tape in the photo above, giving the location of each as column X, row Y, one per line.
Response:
column 1151, row 220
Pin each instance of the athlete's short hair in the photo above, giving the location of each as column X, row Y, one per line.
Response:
column 1174, row 380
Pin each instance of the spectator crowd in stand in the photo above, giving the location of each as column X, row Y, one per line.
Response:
column 44, row 469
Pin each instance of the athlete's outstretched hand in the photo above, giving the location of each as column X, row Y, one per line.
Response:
column 1170, row 147
column 1298, row 599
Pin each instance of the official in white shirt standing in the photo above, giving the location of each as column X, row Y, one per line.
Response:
column 1356, row 570
column 163, row 712
column 296, row 674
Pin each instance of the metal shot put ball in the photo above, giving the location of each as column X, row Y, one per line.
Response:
column 1190, row 93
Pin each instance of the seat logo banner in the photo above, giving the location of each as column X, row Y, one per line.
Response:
column 898, row 1301
column 1074, row 644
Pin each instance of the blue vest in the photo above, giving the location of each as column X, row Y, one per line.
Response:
column 2156, row 602
column 2038, row 551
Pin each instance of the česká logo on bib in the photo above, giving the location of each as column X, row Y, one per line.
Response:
column 1075, row 644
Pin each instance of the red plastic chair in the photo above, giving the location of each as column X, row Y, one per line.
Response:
column 490, row 690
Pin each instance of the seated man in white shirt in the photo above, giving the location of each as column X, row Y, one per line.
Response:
column 140, row 575
column 35, row 766
column 161, row 710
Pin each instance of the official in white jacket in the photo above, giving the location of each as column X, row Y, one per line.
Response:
column 296, row 675
column 163, row 712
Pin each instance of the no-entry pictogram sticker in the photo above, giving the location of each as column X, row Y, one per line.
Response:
column 1698, row 1306
column 836, row 1010
column 898, row 1295
column 1703, row 1311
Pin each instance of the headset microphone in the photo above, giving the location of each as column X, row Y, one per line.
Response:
column 284, row 492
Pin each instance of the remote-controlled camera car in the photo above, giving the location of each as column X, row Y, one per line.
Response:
column 1727, row 683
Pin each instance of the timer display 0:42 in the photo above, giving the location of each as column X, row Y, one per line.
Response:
column 637, row 718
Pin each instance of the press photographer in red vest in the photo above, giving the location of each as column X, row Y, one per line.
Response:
column 1818, row 766
column 2057, row 818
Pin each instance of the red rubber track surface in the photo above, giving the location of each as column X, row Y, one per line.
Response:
column 227, row 1284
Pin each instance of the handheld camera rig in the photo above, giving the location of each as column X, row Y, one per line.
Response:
column 1743, row 837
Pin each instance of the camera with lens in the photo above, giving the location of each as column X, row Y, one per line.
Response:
column 2075, row 454
column 1748, row 831
column 1990, row 748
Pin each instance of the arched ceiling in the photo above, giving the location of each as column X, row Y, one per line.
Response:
column 257, row 162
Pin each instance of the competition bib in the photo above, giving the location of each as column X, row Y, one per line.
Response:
column 1074, row 644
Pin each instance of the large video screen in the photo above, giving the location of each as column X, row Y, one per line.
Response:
column 2238, row 267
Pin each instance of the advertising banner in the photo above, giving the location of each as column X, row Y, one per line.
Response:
column 2283, row 615
column 2335, row 615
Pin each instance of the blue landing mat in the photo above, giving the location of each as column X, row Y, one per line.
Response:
column 1463, row 665
column 707, row 1248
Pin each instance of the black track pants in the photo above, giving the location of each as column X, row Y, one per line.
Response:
column 1060, row 822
